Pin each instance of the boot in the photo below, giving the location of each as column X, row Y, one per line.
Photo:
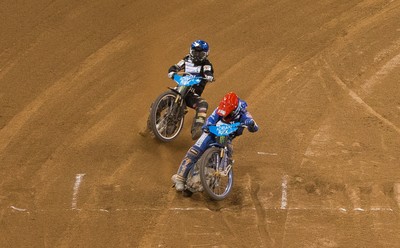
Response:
column 196, row 130
column 178, row 182
column 198, row 122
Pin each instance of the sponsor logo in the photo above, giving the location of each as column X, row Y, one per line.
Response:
column 201, row 139
column 191, row 68
column 221, row 112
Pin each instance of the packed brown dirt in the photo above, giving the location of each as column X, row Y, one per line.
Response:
column 321, row 79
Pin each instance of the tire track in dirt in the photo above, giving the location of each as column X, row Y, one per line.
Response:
column 366, row 22
column 262, row 223
column 112, row 183
column 380, row 75
column 46, row 173
column 150, row 238
column 58, row 88
column 358, row 99
column 357, row 195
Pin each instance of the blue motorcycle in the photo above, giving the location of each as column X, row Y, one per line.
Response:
column 167, row 113
column 213, row 172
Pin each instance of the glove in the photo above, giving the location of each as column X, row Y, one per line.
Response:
column 209, row 78
column 251, row 125
column 249, row 122
column 171, row 74
column 206, row 129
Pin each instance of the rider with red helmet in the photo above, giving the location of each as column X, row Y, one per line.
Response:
column 231, row 109
column 196, row 63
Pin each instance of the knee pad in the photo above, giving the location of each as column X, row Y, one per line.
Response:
column 201, row 110
column 202, row 106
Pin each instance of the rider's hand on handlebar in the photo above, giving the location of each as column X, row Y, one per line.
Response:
column 249, row 122
column 171, row 74
column 251, row 125
column 209, row 78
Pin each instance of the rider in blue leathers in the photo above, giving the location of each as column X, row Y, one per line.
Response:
column 196, row 63
column 231, row 109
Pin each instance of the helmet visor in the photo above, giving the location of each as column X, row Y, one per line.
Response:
column 198, row 54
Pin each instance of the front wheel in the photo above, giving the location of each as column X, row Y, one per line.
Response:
column 216, row 182
column 167, row 116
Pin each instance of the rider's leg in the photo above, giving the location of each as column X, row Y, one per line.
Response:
column 201, row 106
column 190, row 159
column 200, row 118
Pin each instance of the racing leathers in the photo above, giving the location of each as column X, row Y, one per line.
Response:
column 193, row 100
column 194, row 153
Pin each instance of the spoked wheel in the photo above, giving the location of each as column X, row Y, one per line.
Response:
column 216, row 183
column 166, row 117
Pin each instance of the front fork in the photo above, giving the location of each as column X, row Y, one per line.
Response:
column 178, row 97
column 179, row 109
column 223, row 167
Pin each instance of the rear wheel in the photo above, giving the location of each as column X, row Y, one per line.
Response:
column 166, row 116
column 217, row 185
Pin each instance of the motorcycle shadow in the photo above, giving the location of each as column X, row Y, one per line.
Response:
column 200, row 199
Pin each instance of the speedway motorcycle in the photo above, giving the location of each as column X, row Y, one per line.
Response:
column 168, row 111
column 213, row 172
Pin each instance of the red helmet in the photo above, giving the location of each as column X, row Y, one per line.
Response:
column 228, row 106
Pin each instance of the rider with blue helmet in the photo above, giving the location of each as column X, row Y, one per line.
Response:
column 196, row 63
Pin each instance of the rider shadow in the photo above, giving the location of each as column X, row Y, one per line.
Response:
column 200, row 200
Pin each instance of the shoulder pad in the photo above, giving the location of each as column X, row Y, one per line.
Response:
column 242, row 104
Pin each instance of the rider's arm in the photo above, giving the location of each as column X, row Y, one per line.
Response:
column 247, row 119
column 250, row 122
column 176, row 68
column 208, row 71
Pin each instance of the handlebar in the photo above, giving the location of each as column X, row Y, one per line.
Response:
column 183, row 74
column 224, row 129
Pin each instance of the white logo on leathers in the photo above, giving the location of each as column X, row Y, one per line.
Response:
column 191, row 68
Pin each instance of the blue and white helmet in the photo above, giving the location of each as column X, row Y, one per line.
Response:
column 199, row 51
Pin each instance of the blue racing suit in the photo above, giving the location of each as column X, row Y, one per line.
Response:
column 194, row 153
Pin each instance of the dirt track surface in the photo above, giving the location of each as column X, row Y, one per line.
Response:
column 321, row 79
